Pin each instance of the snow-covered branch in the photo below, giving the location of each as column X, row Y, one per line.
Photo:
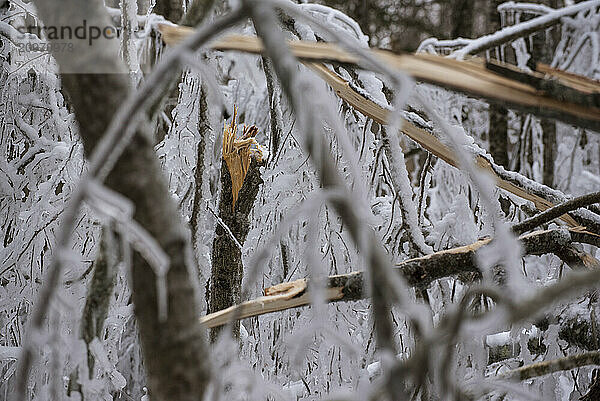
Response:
column 555, row 365
column 556, row 211
column 418, row 272
column 523, row 29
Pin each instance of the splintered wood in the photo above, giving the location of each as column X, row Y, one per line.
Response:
column 238, row 153
column 279, row 297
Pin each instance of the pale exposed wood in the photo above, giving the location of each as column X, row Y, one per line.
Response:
column 582, row 83
column 173, row 34
column 284, row 296
column 238, row 152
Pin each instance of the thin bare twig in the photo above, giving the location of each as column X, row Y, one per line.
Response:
column 555, row 212
column 225, row 227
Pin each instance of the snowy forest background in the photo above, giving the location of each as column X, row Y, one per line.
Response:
column 461, row 336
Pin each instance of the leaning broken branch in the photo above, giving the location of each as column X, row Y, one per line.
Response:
column 418, row 272
column 429, row 142
column 470, row 77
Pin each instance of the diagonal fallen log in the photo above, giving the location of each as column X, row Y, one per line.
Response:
column 470, row 77
column 418, row 272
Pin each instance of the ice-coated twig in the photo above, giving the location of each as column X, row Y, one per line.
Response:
column 260, row 256
column 507, row 245
column 404, row 192
column 225, row 227
column 523, row 29
column 511, row 6
column 129, row 25
column 555, row 365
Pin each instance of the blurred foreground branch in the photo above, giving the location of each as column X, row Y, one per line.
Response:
column 174, row 348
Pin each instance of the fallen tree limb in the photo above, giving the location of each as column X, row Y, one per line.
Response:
column 470, row 77
column 507, row 180
column 418, row 272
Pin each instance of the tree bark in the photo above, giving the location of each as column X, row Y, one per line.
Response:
column 170, row 9
column 100, row 290
column 175, row 353
column 497, row 134
column 203, row 130
column 462, row 15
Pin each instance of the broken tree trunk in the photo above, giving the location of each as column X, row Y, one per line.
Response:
column 239, row 186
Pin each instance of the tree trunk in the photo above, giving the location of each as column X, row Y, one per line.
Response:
column 497, row 134
column 227, row 267
column 543, row 51
column 462, row 14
